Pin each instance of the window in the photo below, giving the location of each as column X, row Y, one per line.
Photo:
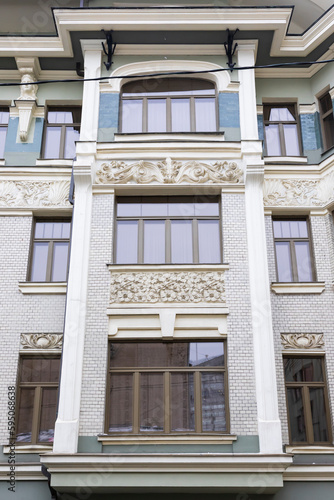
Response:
column 327, row 120
column 292, row 246
column 61, row 131
column 50, row 251
column 4, row 119
column 169, row 105
column 308, row 411
column 281, row 130
column 177, row 230
column 37, row 399
column 167, row 387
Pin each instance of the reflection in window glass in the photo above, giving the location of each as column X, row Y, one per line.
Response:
column 303, row 261
column 156, row 115
column 272, row 140
column 127, row 242
column 213, row 402
column 296, row 415
column 59, row 264
column 151, row 402
column 52, row 142
column 208, row 241
column 154, row 242
column 132, row 117
column 121, row 392
column 291, row 140
column 181, row 236
column 48, row 415
column 39, row 262
column 205, row 113
column 283, row 259
column 180, row 115
column 182, row 407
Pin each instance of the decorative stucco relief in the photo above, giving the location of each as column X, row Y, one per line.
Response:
column 41, row 341
column 34, row 194
column 169, row 172
column 167, row 287
column 299, row 192
column 302, row 340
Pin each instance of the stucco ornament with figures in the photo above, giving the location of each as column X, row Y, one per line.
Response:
column 167, row 287
column 302, row 340
column 41, row 341
column 169, row 171
column 299, row 192
column 22, row 194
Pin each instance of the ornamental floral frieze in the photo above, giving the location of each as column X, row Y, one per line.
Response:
column 23, row 194
column 41, row 341
column 169, row 172
column 302, row 340
column 299, row 192
column 167, row 287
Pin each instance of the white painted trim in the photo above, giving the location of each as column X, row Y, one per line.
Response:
column 54, row 163
column 307, row 109
column 312, row 472
column 222, row 79
column 170, row 439
column 2, row 162
column 10, row 212
column 170, row 50
column 27, row 448
column 186, row 137
column 298, row 288
column 30, row 288
column 133, row 268
column 23, row 472
column 90, row 99
column 310, row 450
column 284, row 159
column 247, row 94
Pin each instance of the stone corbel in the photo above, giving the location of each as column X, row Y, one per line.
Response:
column 26, row 111
column 26, row 103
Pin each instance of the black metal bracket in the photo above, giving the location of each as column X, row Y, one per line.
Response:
column 230, row 48
column 111, row 48
column 47, row 474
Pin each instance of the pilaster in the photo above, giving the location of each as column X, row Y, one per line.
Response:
column 247, row 95
column 90, row 104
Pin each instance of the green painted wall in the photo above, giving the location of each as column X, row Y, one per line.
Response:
column 26, row 490
column 322, row 79
column 59, row 92
column 291, row 88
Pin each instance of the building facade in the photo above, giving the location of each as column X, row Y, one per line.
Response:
column 167, row 270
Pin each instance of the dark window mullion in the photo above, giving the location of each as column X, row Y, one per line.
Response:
column 145, row 114
column 140, row 256
column 192, row 115
column 49, row 261
column 195, row 241
column 168, row 241
column 169, row 114
column 36, row 414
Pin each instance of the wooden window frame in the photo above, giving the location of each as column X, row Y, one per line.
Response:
column 281, row 126
column 304, row 386
column 38, row 388
column 167, row 219
column 62, row 126
column 323, row 116
column 293, row 258
column 191, row 97
column 4, row 125
column 166, row 371
column 48, row 274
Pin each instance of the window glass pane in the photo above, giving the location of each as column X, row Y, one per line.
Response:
column 304, row 267
column 303, row 369
column 208, row 241
column 48, row 414
column 213, row 402
column 4, row 117
column 303, row 232
column 154, row 209
column 181, row 209
column 205, row 209
column 181, row 236
column 283, row 260
column 291, row 140
column 156, row 115
column 72, row 134
column 154, row 242
column 205, row 115
column 296, row 415
column 277, row 229
column 319, row 417
column 3, row 133
column 59, row 264
column 39, row 262
column 281, row 115
column 25, row 415
column 285, row 225
column 129, row 209
column 57, row 230
column 40, row 369
column 132, row 116
column 121, row 406
column 48, row 230
column 151, row 402
column 206, row 354
column 326, row 103
column 294, row 228
column 127, row 242
column 272, row 140
column 182, row 404
column 52, row 142
column 66, row 229
column 180, row 115
column 39, row 229
column 328, row 122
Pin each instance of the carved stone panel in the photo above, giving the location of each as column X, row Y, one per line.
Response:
column 302, row 340
column 41, row 341
column 167, row 287
column 23, row 194
column 169, row 172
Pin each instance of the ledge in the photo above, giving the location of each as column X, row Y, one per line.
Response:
column 309, row 472
column 170, row 439
column 284, row 159
column 310, row 450
column 23, row 472
column 56, row 162
column 298, row 288
column 132, row 268
column 27, row 287
column 177, row 136
column 28, row 448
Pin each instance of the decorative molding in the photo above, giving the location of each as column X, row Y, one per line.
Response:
column 41, row 341
column 167, row 287
column 26, row 110
column 223, row 439
column 299, row 192
column 302, row 340
column 169, row 172
column 34, row 194
column 298, row 288
column 42, row 288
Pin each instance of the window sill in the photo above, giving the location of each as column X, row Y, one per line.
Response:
column 169, row 439
column 298, row 288
column 172, row 137
column 54, row 162
column 284, row 159
column 27, row 287
column 310, row 449
column 2, row 162
column 28, row 448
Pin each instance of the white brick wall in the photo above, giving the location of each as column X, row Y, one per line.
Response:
column 20, row 313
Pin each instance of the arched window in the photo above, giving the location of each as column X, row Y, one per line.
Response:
column 168, row 105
